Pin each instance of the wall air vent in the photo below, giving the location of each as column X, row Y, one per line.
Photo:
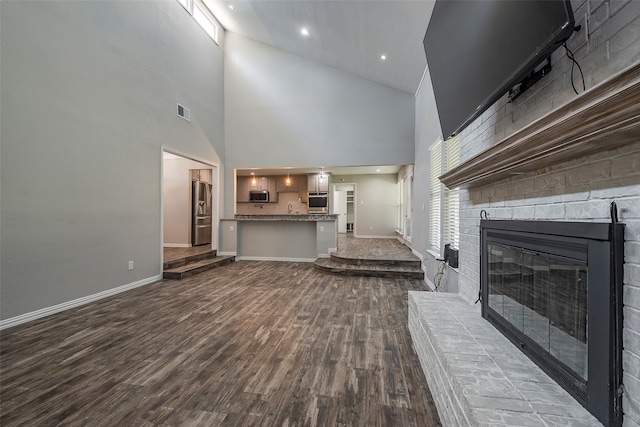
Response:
column 184, row 112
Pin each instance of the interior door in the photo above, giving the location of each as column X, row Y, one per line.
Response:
column 340, row 208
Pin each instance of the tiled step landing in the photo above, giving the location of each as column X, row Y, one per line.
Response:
column 188, row 266
column 370, row 267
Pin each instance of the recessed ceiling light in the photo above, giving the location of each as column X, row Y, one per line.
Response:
column 378, row 170
column 383, row 57
column 304, row 32
column 231, row 7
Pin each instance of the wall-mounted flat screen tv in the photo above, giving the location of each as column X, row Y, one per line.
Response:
column 478, row 50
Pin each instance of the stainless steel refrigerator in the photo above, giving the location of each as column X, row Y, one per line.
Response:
column 200, row 213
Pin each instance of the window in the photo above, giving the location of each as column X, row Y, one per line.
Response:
column 203, row 16
column 435, row 195
column 444, row 204
column 452, row 196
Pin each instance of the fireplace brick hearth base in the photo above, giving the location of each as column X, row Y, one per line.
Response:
column 477, row 376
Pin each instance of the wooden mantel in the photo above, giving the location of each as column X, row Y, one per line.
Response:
column 603, row 118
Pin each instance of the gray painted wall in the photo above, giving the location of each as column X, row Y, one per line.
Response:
column 89, row 93
column 278, row 240
column 285, row 110
column 228, row 244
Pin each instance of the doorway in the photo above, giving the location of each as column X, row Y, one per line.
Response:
column 179, row 173
column 344, row 206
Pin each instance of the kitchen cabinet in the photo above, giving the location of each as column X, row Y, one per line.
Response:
column 282, row 187
column 243, row 186
column 317, row 183
column 258, row 184
column 201, row 175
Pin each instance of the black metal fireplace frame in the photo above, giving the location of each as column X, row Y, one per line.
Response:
column 601, row 246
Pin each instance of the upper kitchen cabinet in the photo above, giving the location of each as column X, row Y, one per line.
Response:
column 292, row 185
column 243, row 186
column 258, row 184
column 317, row 183
column 201, row 175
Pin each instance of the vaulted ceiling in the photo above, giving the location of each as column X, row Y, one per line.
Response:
column 351, row 35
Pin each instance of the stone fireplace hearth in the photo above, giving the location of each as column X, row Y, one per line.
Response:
column 477, row 376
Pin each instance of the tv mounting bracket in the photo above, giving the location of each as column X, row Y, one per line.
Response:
column 539, row 72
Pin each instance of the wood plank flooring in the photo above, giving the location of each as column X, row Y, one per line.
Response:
column 249, row 344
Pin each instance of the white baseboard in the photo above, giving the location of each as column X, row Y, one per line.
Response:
column 361, row 236
column 266, row 258
column 228, row 253
column 176, row 245
column 418, row 254
column 43, row 312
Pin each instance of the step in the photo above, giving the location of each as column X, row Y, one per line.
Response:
column 368, row 270
column 339, row 259
column 168, row 265
column 195, row 267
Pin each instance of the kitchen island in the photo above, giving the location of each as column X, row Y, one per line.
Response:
column 283, row 237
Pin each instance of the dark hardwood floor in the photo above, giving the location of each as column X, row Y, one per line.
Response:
column 249, row 344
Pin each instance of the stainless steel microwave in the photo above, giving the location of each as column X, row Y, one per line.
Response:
column 259, row 196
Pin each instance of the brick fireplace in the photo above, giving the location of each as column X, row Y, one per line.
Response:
column 560, row 162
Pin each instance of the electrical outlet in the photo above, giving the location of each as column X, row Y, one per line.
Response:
column 130, row 265
column 322, row 228
column 370, row 228
column 231, row 228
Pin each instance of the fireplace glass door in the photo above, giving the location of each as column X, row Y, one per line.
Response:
column 555, row 290
column 544, row 297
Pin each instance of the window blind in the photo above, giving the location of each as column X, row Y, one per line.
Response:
column 452, row 196
column 435, row 195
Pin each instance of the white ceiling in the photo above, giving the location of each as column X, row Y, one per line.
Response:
column 350, row 35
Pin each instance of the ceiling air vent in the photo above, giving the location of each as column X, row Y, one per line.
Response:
column 184, row 112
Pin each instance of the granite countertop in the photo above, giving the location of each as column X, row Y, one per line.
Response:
column 308, row 217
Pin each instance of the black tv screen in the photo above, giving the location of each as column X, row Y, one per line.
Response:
column 478, row 50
